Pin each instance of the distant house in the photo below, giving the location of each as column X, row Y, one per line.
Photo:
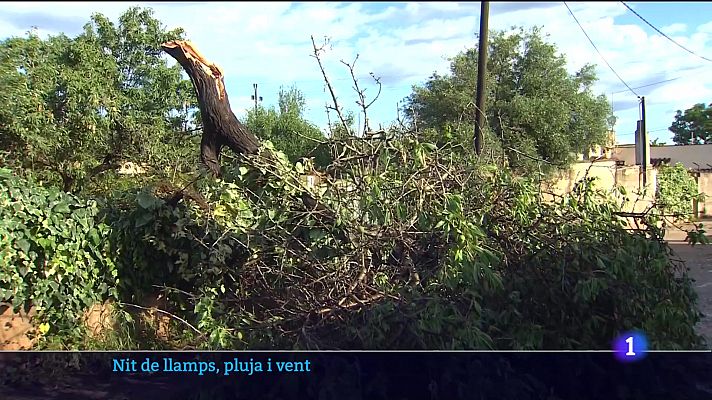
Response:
column 620, row 165
column 697, row 158
column 600, row 152
column 694, row 156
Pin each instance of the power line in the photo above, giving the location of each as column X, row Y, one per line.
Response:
column 650, row 84
column 598, row 51
column 633, row 133
column 664, row 81
column 659, row 129
column 664, row 35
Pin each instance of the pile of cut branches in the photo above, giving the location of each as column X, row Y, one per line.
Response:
column 400, row 245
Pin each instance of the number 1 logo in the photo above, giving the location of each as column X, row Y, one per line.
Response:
column 630, row 346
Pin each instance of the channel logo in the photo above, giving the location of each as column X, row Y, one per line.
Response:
column 630, row 346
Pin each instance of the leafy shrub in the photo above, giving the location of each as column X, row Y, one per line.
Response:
column 52, row 253
column 402, row 248
column 676, row 191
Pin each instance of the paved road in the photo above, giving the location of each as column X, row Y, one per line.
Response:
column 699, row 262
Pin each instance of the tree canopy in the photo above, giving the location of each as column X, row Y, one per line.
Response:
column 72, row 108
column 287, row 129
column 694, row 126
column 535, row 109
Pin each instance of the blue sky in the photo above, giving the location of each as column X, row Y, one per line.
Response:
column 404, row 43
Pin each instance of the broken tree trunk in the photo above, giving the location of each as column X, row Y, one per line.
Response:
column 220, row 126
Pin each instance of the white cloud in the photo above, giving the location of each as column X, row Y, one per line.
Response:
column 674, row 28
column 707, row 27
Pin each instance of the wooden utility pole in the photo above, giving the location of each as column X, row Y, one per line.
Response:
column 644, row 136
column 481, row 74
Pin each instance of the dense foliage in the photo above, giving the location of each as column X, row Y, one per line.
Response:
column 694, row 126
column 429, row 254
column 53, row 254
column 535, row 109
column 72, row 109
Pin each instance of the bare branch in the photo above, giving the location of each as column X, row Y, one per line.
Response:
column 380, row 87
column 317, row 52
column 361, row 102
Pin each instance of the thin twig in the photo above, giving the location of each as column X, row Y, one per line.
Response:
column 177, row 318
column 317, row 51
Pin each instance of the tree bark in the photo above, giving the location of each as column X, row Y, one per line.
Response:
column 220, row 126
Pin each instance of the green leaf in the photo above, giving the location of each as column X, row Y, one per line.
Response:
column 94, row 237
column 61, row 207
column 43, row 328
column 454, row 205
column 420, row 156
column 146, row 200
column 430, row 146
column 601, row 264
column 144, row 219
column 23, row 245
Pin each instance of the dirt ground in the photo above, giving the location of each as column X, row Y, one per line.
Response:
column 699, row 261
column 14, row 328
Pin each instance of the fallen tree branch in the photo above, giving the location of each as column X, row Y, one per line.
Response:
column 220, row 125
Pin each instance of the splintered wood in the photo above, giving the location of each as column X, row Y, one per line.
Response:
column 192, row 54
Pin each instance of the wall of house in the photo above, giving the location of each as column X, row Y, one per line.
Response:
column 629, row 177
column 565, row 181
column 625, row 153
column 704, row 184
column 609, row 176
column 638, row 198
column 696, row 158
